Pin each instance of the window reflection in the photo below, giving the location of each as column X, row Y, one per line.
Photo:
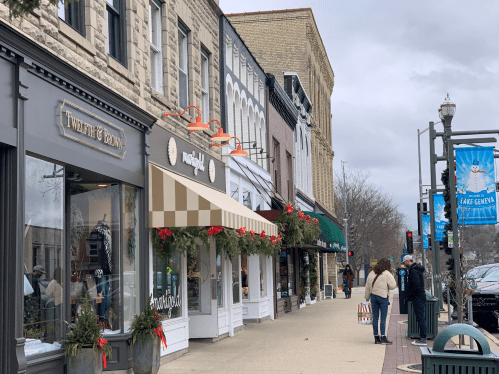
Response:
column 235, row 281
column 244, row 276
column 95, row 259
column 43, row 256
column 167, row 291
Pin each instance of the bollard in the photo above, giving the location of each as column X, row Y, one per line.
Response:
column 448, row 305
column 470, row 320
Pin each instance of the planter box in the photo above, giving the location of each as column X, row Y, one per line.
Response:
column 146, row 356
column 87, row 362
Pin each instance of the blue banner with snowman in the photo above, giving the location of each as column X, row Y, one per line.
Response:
column 476, row 196
column 440, row 220
column 426, row 229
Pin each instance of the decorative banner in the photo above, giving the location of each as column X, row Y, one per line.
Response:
column 476, row 196
column 426, row 229
column 440, row 220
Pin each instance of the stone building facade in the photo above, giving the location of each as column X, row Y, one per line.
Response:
column 130, row 75
column 289, row 40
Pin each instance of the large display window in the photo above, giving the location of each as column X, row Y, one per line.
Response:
column 44, row 257
column 244, row 276
column 236, row 285
column 287, row 273
column 81, row 239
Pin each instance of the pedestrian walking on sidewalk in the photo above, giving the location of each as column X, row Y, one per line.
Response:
column 417, row 295
column 348, row 277
column 378, row 284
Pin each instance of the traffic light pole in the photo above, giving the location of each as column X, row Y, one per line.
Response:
column 423, row 250
column 346, row 213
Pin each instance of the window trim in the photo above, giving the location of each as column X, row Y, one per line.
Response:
column 205, row 92
column 157, row 81
column 78, row 7
column 182, row 29
column 120, row 15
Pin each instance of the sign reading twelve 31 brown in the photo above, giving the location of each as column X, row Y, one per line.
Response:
column 91, row 130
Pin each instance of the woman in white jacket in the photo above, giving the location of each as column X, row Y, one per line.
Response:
column 378, row 284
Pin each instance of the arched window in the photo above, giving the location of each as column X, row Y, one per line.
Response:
column 306, row 144
column 301, row 139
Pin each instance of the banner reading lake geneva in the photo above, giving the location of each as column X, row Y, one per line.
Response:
column 476, row 196
column 426, row 229
column 440, row 220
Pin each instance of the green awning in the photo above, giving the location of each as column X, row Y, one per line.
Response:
column 330, row 231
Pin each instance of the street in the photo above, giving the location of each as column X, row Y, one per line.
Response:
column 321, row 338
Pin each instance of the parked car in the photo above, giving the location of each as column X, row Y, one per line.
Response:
column 485, row 303
column 477, row 277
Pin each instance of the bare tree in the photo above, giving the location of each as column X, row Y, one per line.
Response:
column 378, row 224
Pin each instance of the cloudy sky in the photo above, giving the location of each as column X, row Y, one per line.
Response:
column 394, row 62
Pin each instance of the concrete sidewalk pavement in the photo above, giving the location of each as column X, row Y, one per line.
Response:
column 321, row 338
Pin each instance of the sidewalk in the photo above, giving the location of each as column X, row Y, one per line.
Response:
column 402, row 354
column 321, row 338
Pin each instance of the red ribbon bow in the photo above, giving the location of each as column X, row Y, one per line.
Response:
column 289, row 208
column 159, row 331
column 301, row 215
column 100, row 344
column 242, row 231
column 262, row 234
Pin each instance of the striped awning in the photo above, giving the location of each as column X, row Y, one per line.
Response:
column 176, row 201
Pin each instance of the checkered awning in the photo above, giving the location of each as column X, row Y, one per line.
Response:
column 176, row 201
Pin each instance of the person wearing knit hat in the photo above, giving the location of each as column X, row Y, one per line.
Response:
column 417, row 295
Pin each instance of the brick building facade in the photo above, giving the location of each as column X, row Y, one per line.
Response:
column 289, row 40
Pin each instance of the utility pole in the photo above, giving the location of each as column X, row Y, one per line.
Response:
column 423, row 250
column 345, row 219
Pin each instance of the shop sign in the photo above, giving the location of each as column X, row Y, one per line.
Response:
column 85, row 127
column 189, row 158
column 321, row 243
column 196, row 162
column 167, row 302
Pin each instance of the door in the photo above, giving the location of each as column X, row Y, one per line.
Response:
column 202, row 294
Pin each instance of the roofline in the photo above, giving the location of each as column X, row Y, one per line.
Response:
column 269, row 11
column 289, row 11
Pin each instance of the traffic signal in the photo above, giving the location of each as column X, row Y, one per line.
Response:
column 351, row 239
column 408, row 239
column 350, row 253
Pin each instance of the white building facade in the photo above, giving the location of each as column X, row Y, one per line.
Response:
column 250, row 287
column 302, row 142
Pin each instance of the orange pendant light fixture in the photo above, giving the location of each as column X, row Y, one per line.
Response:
column 220, row 136
column 239, row 152
column 194, row 126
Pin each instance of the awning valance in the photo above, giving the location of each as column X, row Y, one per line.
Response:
column 176, row 201
column 330, row 231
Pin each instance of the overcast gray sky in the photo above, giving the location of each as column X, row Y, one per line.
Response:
column 394, row 62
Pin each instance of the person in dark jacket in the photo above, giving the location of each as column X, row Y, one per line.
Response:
column 348, row 277
column 417, row 295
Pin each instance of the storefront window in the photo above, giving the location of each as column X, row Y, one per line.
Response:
column 220, row 300
column 43, row 256
column 167, row 291
column 244, row 276
column 234, row 191
column 95, row 252
column 278, row 277
column 131, row 260
column 263, row 276
column 198, row 282
column 247, row 202
column 286, row 273
column 235, row 281
column 283, row 271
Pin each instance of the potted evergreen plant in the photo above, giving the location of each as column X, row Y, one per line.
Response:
column 84, row 345
column 147, row 336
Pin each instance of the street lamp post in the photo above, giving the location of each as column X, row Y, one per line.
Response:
column 420, row 214
column 345, row 206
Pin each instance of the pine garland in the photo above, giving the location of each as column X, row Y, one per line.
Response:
column 314, row 276
column 295, row 227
